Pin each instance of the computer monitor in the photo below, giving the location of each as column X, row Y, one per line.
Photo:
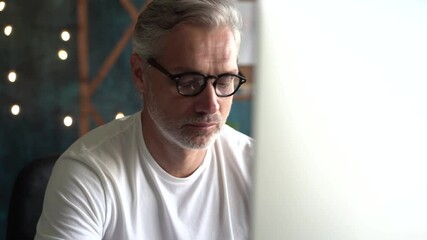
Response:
column 341, row 120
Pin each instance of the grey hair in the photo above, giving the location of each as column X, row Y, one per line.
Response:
column 160, row 16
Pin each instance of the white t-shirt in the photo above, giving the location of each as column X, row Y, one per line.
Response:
column 108, row 186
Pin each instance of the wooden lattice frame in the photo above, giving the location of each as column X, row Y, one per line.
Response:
column 88, row 87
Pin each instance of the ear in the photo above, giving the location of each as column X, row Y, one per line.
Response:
column 137, row 67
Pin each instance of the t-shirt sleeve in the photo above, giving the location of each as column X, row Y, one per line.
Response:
column 74, row 203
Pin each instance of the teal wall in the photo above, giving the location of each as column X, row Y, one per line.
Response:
column 47, row 88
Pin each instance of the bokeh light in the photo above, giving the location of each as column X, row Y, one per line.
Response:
column 2, row 5
column 8, row 30
column 62, row 54
column 12, row 76
column 68, row 121
column 65, row 36
column 119, row 115
column 15, row 109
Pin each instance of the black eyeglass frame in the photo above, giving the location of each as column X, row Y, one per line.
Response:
column 177, row 77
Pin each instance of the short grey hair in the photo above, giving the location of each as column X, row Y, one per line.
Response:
column 160, row 16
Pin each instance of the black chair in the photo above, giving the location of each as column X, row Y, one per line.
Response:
column 26, row 202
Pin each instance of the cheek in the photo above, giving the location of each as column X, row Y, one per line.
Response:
column 225, row 107
column 168, row 101
column 162, row 92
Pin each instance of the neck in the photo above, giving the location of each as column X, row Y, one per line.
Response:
column 174, row 159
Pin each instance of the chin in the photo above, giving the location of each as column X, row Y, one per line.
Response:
column 200, row 142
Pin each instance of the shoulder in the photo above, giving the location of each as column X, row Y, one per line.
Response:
column 111, row 131
column 108, row 147
column 235, row 151
column 90, row 179
column 235, row 139
column 235, row 148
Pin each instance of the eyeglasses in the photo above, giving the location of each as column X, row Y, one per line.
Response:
column 193, row 83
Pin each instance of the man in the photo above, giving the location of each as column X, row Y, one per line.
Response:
column 174, row 170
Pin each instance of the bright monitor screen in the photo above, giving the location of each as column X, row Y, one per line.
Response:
column 341, row 120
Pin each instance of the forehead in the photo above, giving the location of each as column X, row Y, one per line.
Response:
column 189, row 43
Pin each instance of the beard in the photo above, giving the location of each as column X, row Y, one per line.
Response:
column 181, row 131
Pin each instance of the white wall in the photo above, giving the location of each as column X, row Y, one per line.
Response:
column 341, row 120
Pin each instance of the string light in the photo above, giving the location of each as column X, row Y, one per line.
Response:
column 119, row 115
column 2, row 5
column 68, row 121
column 12, row 76
column 8, row 30
column 62, row 54
column 15, row 109
column 65, row 36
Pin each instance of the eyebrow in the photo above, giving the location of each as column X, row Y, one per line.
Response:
column 178, row 71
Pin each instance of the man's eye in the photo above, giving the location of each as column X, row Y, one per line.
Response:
column 189, row 79
column 188, row 85
column 225, row 82
column 191, row 82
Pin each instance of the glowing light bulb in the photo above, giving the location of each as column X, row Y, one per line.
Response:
column 65, row 36
column 8, row 30
column 12, row 76
column 2, row 5
column 68, row 121
column 119, row 115
column 62, row 54
column 15, row 109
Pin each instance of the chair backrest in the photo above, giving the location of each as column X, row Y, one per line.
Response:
column 26, row 201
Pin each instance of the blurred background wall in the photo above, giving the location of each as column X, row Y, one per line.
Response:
column 38, row 89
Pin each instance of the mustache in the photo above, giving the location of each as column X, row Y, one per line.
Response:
column 213, row 118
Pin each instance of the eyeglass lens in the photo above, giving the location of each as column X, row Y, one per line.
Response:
column 193, row 84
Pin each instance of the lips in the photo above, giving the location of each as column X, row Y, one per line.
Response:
column 203, row 124
column 203, row 121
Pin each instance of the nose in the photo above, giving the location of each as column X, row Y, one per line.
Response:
column 207, row 100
